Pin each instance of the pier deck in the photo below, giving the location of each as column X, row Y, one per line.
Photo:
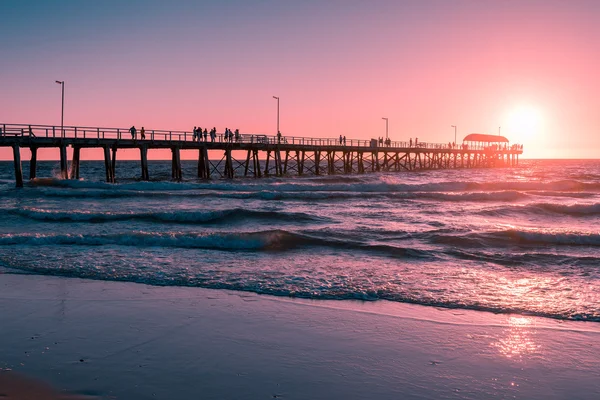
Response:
column 280, row 156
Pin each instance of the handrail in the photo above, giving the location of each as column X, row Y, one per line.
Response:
column 88, row 132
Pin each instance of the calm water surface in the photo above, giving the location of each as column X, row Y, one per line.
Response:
column 523, row 240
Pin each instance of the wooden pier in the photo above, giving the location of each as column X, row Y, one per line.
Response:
column 283, row 156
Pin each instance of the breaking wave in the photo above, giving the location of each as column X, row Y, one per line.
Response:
column 187, row 217
column 279, row 240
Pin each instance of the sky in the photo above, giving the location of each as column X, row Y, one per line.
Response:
column 528, row 68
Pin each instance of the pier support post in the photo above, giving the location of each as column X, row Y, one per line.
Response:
column 108, row 165
column 247, row 165
column 176, row 164
column 229, row 173
column 113, row 168
column 203, row 163
column 33, row 163
column 144, row 162
column 75, row 163
column 317, row 162
column 300, row 156
column 360, row 165
column 267, row 163
column 206, row 162
column 285, row 163
column 18, row 169
column 64, row 172
column 257, row 171
column 278, row 168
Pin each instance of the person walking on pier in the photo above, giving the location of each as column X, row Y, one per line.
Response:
column 194, row 134
column 142, row 133
column 132, row 131
column 205, row 135
column 278, row 137
column 237, row 135
column 344, row 140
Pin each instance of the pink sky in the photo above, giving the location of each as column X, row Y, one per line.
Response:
column 338, row 67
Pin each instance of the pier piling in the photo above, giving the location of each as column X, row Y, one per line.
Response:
column 144, row 162
column 75, row 163
column 108, row 165
column 33, row 163
column 64, row 172
column 113, row 167
column 18, row 169
column 176, row 173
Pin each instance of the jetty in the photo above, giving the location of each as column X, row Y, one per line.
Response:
column 258, row 155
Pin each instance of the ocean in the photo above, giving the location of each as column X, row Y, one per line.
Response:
column 509, row 240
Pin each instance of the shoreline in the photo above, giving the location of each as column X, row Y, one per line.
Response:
column 139, row 341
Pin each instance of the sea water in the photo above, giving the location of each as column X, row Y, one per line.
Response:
column 510, row 240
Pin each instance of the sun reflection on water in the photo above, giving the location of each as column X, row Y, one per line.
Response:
column 519, row 339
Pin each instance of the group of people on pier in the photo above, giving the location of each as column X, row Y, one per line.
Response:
column 133, row 132
column 385, row 142
column 229, row 136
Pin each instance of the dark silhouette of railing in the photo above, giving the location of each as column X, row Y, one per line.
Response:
column 86, row 132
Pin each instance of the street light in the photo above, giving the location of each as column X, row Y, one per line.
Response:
column 62, row 110
column 454, row 126
column 386, row 127
column 277, row 98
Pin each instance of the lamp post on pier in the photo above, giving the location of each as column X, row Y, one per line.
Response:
column 62, row 109
column 454, row 126
column 386, row 127
column 277, row 98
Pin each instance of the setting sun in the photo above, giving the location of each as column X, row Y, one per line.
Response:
column 524, row 122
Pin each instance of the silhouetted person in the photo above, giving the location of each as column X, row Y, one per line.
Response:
column 132, row 131
column 31, row 132
column 278, row 137
column 205, row 135
column 344, row 140
column 194, row 134
column 416, row 141
column 142, row 133
column 237, row 135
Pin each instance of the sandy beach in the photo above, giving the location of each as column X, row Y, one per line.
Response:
column 114, row 340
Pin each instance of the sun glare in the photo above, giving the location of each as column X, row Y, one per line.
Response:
column 524, row 122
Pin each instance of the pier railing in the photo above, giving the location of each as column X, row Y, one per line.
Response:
column 86, row 132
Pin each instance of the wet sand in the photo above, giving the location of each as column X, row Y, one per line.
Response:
column 110, row 340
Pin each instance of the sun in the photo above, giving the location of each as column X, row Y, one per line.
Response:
column 524, row 122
